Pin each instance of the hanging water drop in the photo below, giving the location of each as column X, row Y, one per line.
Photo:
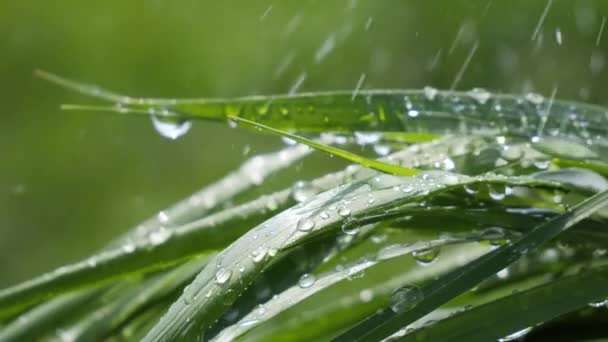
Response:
column 351, row 226
column 170, row 128
column 430, row 93
column 480, row 95
column 426, row 256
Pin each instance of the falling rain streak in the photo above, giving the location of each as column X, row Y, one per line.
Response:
column 464, row 66
column 541, row 20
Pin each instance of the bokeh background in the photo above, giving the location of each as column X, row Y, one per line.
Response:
column 70, row 181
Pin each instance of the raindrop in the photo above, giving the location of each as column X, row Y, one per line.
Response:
column 288, row 141
column 480, row 95
column 306, row 225
column 363, row 138
column 307, row 280
column 324, row 215
column 328, row 45
column 366, row 295
column 351, row 226
column 222, row 275
column 259, row 254
column 159, row 236
column 426, row 256
column 412, row 113
column 535, row 98
column 558, row 36
column 382, row 150
column 430, row 93
column 128, row 247
column 162, row 217
column 170, row 127
column 344, row 212
column 406, row 298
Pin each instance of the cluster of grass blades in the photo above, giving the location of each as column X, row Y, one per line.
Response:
column 488, row 220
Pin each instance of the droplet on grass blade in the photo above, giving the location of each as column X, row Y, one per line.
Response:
column 170, row 128
column 406, row 298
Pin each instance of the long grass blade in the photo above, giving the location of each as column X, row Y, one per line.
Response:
column 454, row 283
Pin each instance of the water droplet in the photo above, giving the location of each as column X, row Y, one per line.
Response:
column 516, row 335
column 599, row 304
column 259, row 254
column 128, row 247
column 535, row 98
column 496, row 195
column 406, row 298
column 171, row 128
column 366, row 295
column 159, row 236
column 480, row 95
column 344, row 212
column 307, row 280
column 412, row 113
column 162, row 217
column 351, row 226
column 222, row 275
column 366, row 138
column 288, row 141
column 426, row 256
column 430, row 93
column 306, row 225
column 324, row 215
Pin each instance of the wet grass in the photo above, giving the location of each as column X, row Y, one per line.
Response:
column 487, row 217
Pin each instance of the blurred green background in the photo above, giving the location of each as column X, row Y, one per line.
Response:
column 70, row 181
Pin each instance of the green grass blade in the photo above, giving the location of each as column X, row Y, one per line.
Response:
column 371, row 163
column 518, row 311
column 342, row 302
column 101, row 322
column 383, row 110
column 237, row 265
column 453, row 284
column 295, row 294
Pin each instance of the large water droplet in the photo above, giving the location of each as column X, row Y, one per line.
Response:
column 306, row 225
column 426, row 256
column 222, row 275
column 170, row 127
column 307, row 280
column 406, row 298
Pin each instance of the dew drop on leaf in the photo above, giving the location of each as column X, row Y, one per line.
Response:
column 306, row 225
column 344, row 212
column 426, row 256
column 307, row 280
column 406, row 298
column 222, row 275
